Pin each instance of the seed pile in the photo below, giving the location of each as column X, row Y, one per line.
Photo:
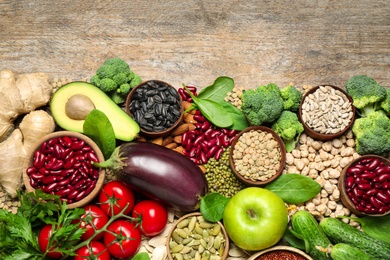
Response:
column 281, row 255
column 327, row 110
column 196, row 238
column 234, row 97
column 155, row 106
column 257, row 155
column 220, row 176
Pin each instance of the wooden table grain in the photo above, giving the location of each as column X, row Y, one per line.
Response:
column 195, row 41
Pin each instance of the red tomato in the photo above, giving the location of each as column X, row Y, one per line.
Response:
column 126, row 242
column 94, row 216
column 114, row 197
column 95, row 249
column 43, row 241
column 152, row 217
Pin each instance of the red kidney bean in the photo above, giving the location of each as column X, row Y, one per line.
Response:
column 72, row 195
column 349, row 182
column 368, row 175
column 373, row 164
column 383, row 209
column 51, row 187
column 58, row 151
column 49, row 179
column 64, row 192
column 384, row 177
column 375, row 202
column 372, row 192
column 358, row 168
column 212, row 151
column 37, row 176
column 31, row 170
column 218, row 154
column 382, row 169
column 383, row 197
column 199, row 118
column 39, row 159
column 92, row 156
column 364, row 186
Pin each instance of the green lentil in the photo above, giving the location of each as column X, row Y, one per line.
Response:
column 220, row 176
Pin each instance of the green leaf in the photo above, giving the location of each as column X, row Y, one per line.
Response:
column 141, row 256
column 98, row 127
column 218, row 90
column 294, row 239
column 294, row 188
column 239, row 119
column 376, row 227
column 212, row 206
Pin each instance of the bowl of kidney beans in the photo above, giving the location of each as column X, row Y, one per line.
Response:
column 60, row 163
column 156, row 106
column 364, row 186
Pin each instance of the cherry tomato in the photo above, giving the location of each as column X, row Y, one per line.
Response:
column 93, row 219
column 114, row 197
column 127, row 240
column 152, row 217
column 96, row 251
column 43, row 241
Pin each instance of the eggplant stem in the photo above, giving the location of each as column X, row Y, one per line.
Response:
column 114, row 163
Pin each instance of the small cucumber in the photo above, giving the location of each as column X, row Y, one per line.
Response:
column 304, row 224
column 342, row 251
column 340, row 232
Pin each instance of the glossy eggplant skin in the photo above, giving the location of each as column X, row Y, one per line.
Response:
column 163, row 174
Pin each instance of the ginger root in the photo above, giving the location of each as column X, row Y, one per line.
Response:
column 18, row 96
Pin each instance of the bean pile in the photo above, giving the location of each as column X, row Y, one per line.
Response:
column 257, row 155
column 327, row 110
column 368, row 186
column 155, row 106
column 62, row 166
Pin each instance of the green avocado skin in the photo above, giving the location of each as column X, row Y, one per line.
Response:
column 125, row 128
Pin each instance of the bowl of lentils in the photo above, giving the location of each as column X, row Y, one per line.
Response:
column 60, row 164
column 364, row 186
column 156, row 106
column 326, row 112
column 257, row 156
column 281, row 253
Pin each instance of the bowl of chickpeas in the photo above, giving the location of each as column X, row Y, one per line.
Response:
column 257, row 156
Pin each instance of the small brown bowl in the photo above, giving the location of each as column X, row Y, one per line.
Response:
column 281, row 153
column 173, row 237
column 310, row 130
column 363, row 194
column 264, row 253
column 145, row 132
column 102, row 173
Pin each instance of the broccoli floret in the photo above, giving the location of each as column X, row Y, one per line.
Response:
column 372, row 134
column 116, row 79
column 366, row 93
column 292, row 98
column 288, row 127
column 263, row 104
column 385, row 103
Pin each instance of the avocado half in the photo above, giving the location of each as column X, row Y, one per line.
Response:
column 125, row 128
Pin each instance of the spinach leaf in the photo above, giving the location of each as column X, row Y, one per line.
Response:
column 212, row 206
column 141, row 256
column 376, row 227
column 218, row 90
column 294, row 188
column 212, row 110
column 98, row 127
column 294, row 239
column 239, row 119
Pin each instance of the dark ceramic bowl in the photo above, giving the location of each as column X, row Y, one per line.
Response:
column 281, row 154
column 310, row 130
column 101, row 177
column 160, row 90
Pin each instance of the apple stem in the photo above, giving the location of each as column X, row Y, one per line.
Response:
column 251, row 213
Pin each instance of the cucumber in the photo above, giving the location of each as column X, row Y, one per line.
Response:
column 305, row 225
column 342, row 251
column 340, row 232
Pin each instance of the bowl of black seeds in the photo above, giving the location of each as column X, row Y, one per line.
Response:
column 156, row 106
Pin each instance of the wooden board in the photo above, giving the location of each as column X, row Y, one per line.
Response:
column 194, row 42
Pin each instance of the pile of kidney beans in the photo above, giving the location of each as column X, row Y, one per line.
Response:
column 368, row 185
column 205, row 141
column 63, row 166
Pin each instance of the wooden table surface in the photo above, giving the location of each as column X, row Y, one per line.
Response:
column 195, row 41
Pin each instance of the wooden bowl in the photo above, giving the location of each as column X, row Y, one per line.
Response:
column 195, row 231
column 346, row 199
column 282, row 155
column 145, row 132
column 317, row 135
column 263, row 253
column 102, row 173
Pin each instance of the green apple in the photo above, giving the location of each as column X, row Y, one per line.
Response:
column 255, row 218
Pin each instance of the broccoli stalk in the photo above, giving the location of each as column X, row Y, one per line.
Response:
column 116, row 79
column 372, row 134
column 366, row 94
column 263, row 104
column 292, row 98
column 288, row 127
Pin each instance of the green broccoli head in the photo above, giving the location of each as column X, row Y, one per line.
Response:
column 113, row 67
column 105, row 84
column 292, row 98
column 385, row 103
column 372, row 134
column 263, row 104
column 289, row 128
column 365, row 92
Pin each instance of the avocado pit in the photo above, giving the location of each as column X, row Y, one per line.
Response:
column 79, row 106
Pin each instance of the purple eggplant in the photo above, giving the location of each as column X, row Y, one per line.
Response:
column 159, row 173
